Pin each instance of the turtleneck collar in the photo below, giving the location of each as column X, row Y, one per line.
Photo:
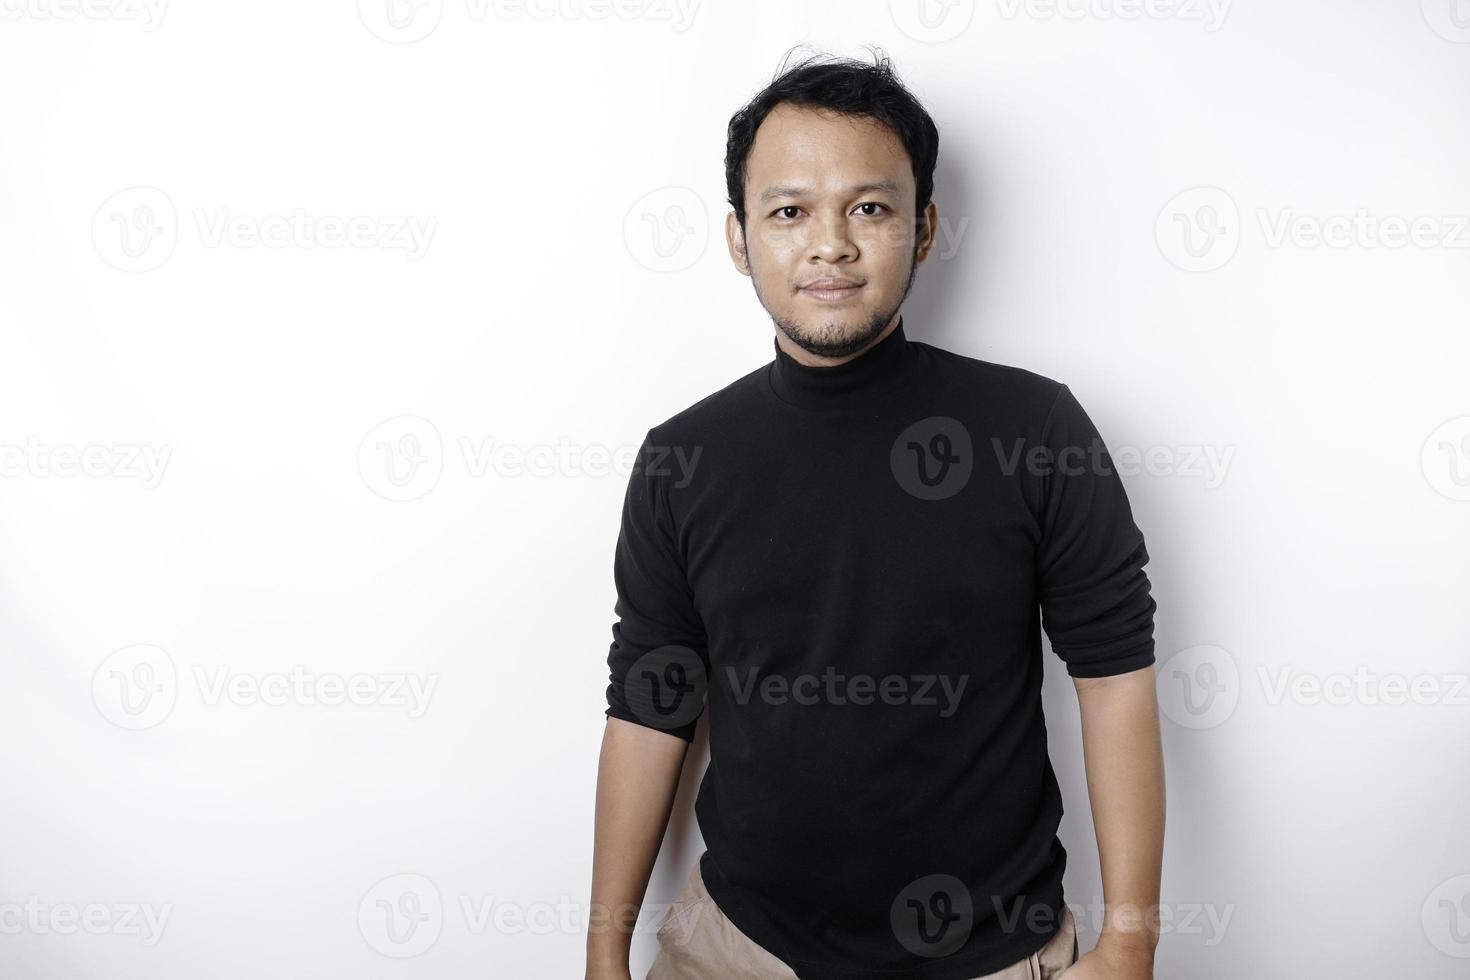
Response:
column 875, row 370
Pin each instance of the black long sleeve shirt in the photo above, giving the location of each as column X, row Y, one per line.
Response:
column 848, row 568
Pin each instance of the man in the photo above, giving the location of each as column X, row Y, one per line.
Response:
column 845, row 559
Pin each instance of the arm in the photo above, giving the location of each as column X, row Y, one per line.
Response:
column 637, row 776
column 1125, row 784
column 658, row 664
column 1099, row 613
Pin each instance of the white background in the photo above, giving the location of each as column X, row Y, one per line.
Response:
column 391, row 460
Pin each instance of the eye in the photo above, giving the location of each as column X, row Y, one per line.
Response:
column 872, row 204
column 789, row 207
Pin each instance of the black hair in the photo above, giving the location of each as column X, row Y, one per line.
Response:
column 843, row 85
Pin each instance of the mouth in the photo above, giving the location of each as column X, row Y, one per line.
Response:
column 832, row 291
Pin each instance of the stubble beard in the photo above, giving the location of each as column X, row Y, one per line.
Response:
column 831, row 340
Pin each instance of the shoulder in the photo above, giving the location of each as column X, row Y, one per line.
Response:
column 1004, row 388
column 714, row 413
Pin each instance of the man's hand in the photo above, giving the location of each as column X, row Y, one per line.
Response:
column 1112, row 963
column 612, row 973
column 637, row 775
column 1123, row 755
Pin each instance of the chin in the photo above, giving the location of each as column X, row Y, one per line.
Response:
column 833, row 332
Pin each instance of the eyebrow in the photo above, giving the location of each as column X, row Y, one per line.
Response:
column 771, row 193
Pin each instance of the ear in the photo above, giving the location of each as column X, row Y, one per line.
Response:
column 735, row 242
column 928, row 233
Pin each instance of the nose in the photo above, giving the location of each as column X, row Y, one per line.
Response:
column 831, row 242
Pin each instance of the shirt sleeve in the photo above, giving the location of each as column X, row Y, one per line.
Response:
column 659, row 659
column 1095, row 597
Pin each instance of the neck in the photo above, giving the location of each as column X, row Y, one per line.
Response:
column 839, row 383
column 805, row 357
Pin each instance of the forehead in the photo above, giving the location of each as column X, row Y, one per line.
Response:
column 797, row 145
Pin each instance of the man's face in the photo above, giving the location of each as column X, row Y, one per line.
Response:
column 830, row 237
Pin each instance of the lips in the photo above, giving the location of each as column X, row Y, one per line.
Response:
column 832, row 289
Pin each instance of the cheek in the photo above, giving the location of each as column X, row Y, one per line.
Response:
column 775, row 260
column 889, row 243
column 776, row 244
column 771, row 280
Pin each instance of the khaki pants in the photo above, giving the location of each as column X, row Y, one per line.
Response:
column 697, row 942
